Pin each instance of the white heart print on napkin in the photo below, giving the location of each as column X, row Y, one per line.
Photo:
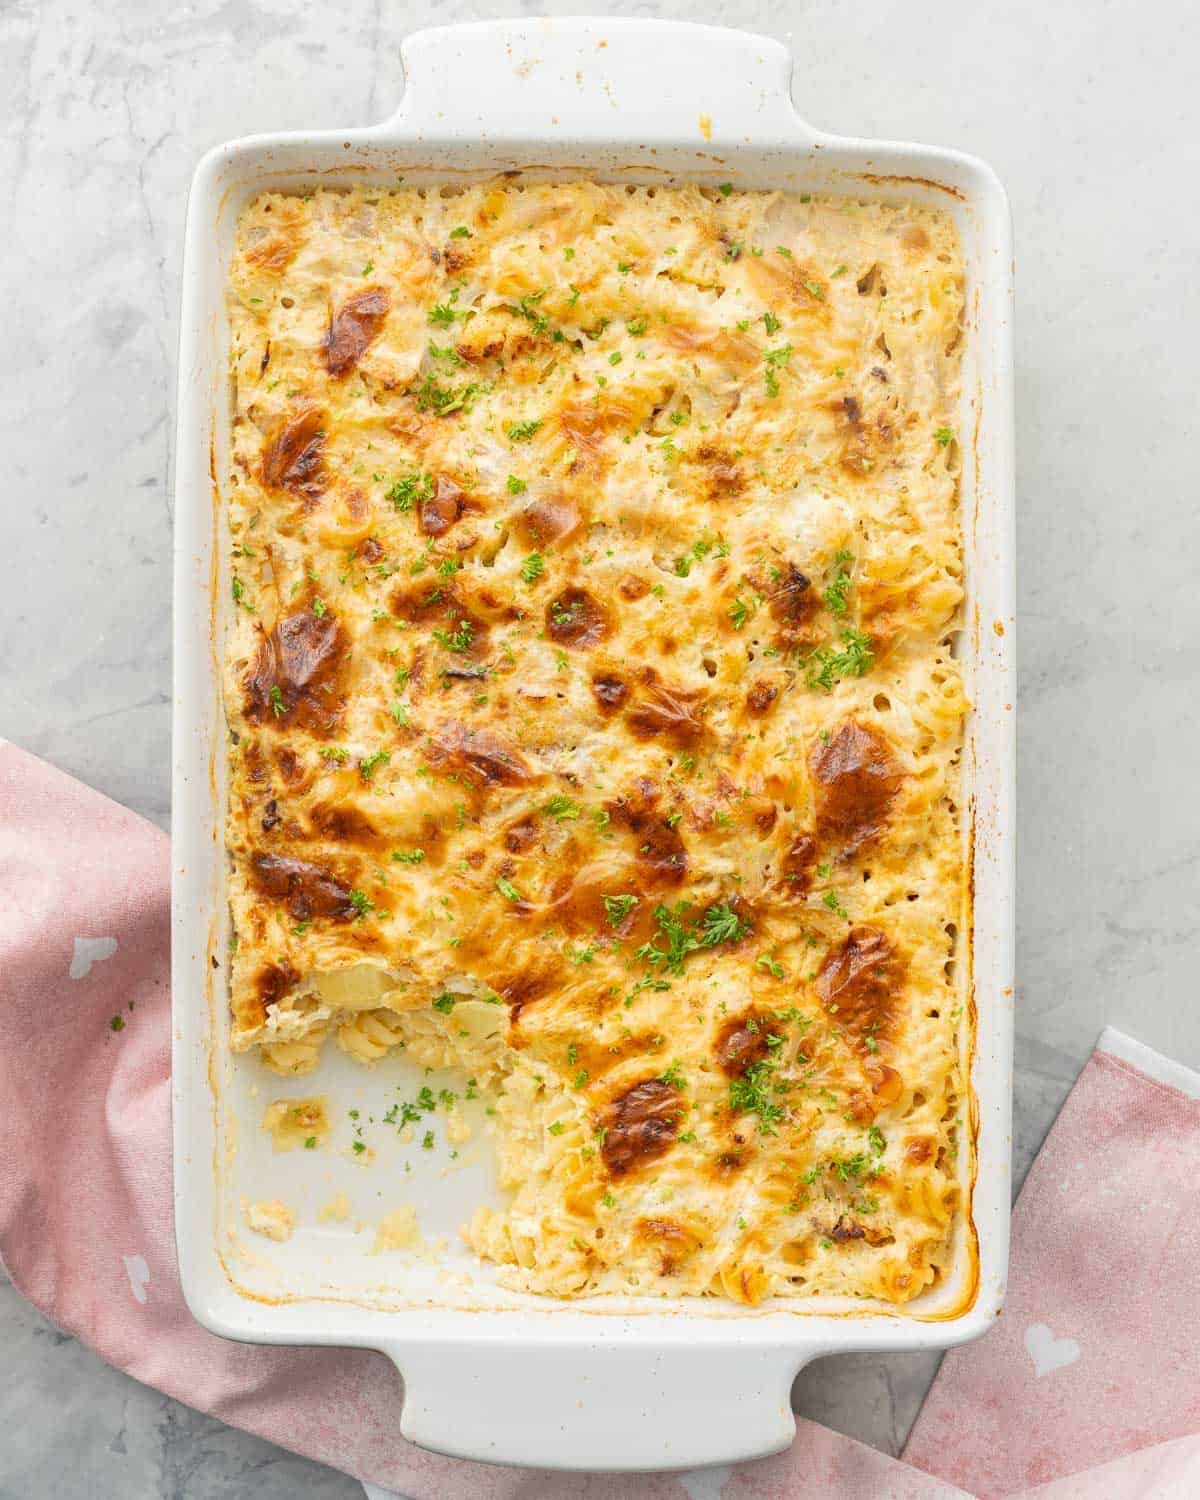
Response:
column 139, row 1275
column 89, row 951
column 706, row 1484
column 1047, row 1352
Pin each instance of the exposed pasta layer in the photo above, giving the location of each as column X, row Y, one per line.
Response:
column 595, row 725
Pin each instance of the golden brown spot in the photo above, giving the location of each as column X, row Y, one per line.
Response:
column 761, row 696
column 482, row 758
column 885, row 1085
column 722, row 474
column 353, row 327
column 741, row 1042
column 798, row 864
column 856, row 779
column 274, row 252
column 344, row 823
column 675, row 1243
column 576, row 618
column 610, row 691
column 291, row 767
column 857, row 983
column 307, row 890
column 914, row 238
column 293, row 458
column 524, row 989
column 847, row 1229
column 443, row 508
column 790, row 598
column 660, row 851
column 728, row 1163
column 547, row 521
column 587, row 426
column 640, row 1125
column 437, row 606
column 520, row 835
column 294, row 676
column 271, row 984
column 666, row 711
column 633, row 587
column 919, row 1149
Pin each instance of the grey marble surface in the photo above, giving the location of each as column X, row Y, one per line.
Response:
column 1091, row 115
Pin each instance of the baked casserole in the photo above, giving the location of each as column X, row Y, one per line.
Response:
column 595, row 722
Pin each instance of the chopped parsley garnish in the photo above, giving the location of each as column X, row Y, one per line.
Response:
column 238, row 589
column 533, row 567
column 562, row 809
column 319, row 608
column 720, row 924
column 310, row 1143
column 740, row 611
column 771, row 323
column 836, row 594
column 944, row 437
column 674, row 1076
column 445, row 1002
column 556, row 1128
column 408, row 856
column 516, row 486
column 636, row 326
column 724, row 188
column 748, row 1095
column 362, row 904
column 618, row 908
column 333, row 752
column 774, row 360
column 461, row 233
column 527, row 308
column 117, row 1023
column 771, row 965
column 410, row 490
column 826, row 667
column 521, row 432
column 366, row 766
column 278, row 706
column 508, row 890
column 444, row 399
column 459, row 640
column 445, row 314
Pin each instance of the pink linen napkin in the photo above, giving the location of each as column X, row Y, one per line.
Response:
column 1094, row 1361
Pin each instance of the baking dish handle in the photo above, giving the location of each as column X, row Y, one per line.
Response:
column 604, row 1406
column 613, row 80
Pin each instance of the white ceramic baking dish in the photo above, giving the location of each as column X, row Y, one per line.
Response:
column 488, row 1374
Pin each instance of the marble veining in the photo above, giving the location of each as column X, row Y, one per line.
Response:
column 1090, row 116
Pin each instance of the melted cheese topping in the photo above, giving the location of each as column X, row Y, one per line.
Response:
column 596, row 558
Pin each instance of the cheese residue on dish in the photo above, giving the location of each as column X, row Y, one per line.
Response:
column 273, row 1219
column 596, row 722
column 336, row 1211
column 293, row 1123
column 398, row 1230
